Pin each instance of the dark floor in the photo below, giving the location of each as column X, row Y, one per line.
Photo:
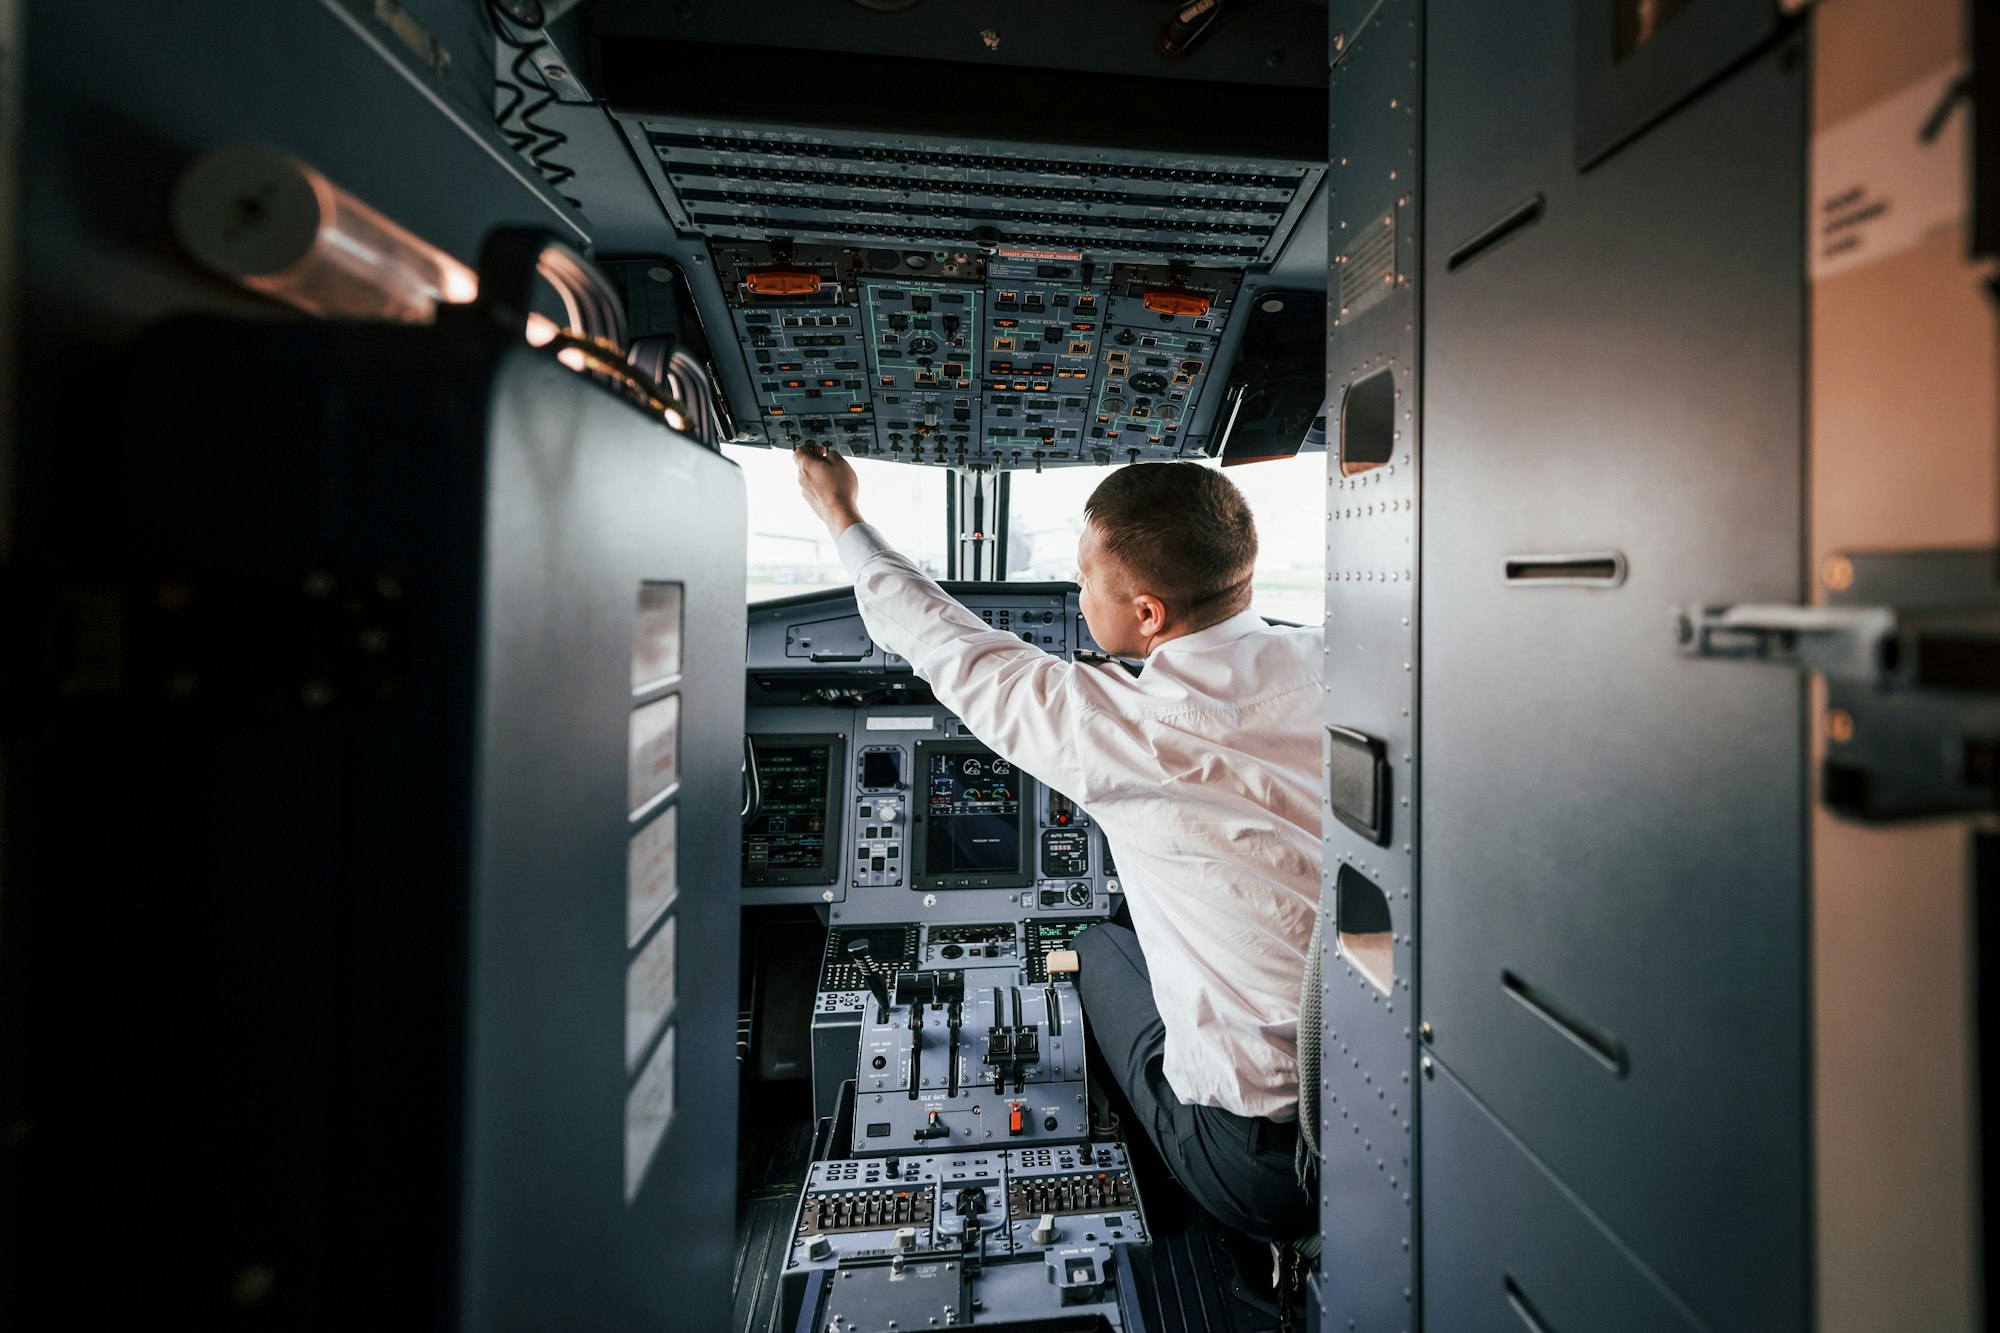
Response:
column 1186, row 1282
column 773, row 1153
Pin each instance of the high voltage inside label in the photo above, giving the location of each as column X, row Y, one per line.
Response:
column 1368, row 268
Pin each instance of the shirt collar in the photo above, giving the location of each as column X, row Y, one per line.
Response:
column 1223, row 631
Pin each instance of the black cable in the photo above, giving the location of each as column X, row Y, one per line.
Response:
column 533, row 140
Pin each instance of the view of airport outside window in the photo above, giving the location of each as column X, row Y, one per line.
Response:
column 1045, row 518
column 790, row 552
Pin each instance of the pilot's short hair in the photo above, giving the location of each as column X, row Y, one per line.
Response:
column 1184, row 532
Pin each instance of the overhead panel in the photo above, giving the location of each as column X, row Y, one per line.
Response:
column 1030, row 358
column 921, row 342
column 762, row 183
column 1040, row 350
column 975, row 303
column 1159, row 346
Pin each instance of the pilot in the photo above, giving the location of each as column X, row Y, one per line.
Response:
column 1203, row 771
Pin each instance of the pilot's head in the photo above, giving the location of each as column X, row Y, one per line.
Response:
column 1167, row 549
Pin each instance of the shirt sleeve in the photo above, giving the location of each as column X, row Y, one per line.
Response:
column 1017, row 699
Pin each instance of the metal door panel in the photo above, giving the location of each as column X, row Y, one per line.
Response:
column 1617, row 830
column 1511, row 1251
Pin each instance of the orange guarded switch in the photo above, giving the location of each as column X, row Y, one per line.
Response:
column 781, row 282
column 1176, row 303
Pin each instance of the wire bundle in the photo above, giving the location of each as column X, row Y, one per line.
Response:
column 515, row 118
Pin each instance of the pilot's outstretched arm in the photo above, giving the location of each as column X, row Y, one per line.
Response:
column 1016, row 698
column 1019, row 700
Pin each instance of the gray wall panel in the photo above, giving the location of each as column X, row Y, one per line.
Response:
column 1618, row 828
column 562, row 1224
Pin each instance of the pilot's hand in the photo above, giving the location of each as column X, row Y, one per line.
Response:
column 828, row 482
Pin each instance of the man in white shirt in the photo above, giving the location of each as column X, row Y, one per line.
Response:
column 1203, row 771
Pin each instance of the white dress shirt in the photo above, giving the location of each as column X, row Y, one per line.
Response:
column 1204, row 774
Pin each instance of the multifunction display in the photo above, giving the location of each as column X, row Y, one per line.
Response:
column 976, row 810
column 974, row 815
column 792, row 836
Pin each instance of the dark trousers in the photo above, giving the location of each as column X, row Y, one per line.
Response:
column 1239, row 1168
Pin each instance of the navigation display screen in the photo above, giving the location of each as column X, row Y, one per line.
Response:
column 793, row 838
column 976, row 808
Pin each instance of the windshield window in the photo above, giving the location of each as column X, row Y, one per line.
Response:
column 789, row 549
column 1045, row 518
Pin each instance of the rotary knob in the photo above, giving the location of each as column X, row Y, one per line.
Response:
column 888, row 811
column 818, row 1247
column 906, row 1239
column 1045, row 1230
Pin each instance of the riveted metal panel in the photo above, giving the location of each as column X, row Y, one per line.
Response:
column 1368, row 1186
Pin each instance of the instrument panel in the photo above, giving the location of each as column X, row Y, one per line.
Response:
column 965, row 837
column 886, row 808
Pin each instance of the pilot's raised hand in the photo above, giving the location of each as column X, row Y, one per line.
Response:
column 828, row 482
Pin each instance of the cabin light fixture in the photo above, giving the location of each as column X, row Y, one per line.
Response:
column 278, row 227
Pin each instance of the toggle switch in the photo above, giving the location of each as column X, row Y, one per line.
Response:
column 1013, row 1117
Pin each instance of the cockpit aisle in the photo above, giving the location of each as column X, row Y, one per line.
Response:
column 463, row 847
column 962, row 1166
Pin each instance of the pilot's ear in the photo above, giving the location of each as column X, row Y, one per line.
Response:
column 1152, row 613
